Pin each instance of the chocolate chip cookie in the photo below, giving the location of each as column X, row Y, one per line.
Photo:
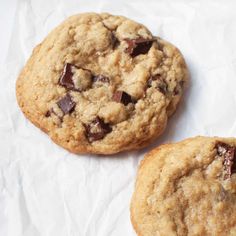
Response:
column 187, row 188
column 101, row 84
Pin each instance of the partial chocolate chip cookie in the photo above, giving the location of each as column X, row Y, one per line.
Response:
column 187, row 188
column 101, row 84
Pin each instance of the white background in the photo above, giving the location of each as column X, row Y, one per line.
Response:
column 46, row 191
column 7, row 12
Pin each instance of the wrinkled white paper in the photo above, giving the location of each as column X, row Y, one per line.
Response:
column 46, row 191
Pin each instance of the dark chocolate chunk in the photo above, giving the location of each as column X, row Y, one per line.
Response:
column 149, row 83
column 228, row 153
column 153, row 78
column 138, row 46
column 66, row 77
column 97, row 129
column 161, row 85
column 101, row 78
column 51, row 111
column 48, row 113
column 179, row 88
column 122, row 97
column 233, row 167
column 115, row 41
column 66, row 104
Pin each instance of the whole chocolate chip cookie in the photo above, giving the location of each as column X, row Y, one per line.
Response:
column 101, row 84
column 187, row 188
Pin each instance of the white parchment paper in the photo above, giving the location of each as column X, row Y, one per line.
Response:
column 46, row 191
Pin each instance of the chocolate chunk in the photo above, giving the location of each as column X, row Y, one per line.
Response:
column 149, row 83
column 115, row 41
column 51, row 111
column 101, row 78
column 162, row 88
column 48, row 113
column 138, row 46
column 228, row 153
column 97, row 129
column 179, row 88
column 153, row 78
column 160, row 85
column 122, row 97
column 66, row 77
column 66, row 104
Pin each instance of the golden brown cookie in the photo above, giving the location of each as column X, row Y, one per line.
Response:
column 187, row 188
column 101, row 84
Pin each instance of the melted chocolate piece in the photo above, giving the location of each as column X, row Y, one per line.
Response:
column 149, row 83
column 66, row 104
column 115, row 41
column 179, row 88
column 122, row 97
column 161, row 86
column 66, row 77
column 51, row 111
column 153, row 78
column 48, row 113
column 101, row 78
column 138, row 46
column 97, row 129
column 228, row 153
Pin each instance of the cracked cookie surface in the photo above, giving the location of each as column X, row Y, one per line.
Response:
column 101, row 84
column 187, row 188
